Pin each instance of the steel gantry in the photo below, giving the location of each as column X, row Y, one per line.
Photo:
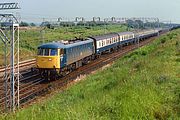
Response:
column 7, row 6
column 9, row 34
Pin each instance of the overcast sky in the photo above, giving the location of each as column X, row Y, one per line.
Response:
column 36, row 10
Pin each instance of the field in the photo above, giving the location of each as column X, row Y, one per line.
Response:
column 31, row 38
column 145, row 84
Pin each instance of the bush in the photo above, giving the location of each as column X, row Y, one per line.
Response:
column 163, row 40
column 23, row 24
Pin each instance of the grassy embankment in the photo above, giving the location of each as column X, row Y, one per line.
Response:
column 30, row 39
column 144, row 84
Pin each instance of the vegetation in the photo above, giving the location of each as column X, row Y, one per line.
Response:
column 24, row 24
column 32, row 24
column 144, row 84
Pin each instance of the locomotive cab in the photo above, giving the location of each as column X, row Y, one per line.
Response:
column 48, row 58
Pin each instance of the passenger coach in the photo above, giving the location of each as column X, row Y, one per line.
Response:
column 106, row 42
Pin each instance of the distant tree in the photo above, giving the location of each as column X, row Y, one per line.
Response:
column 45, row 24
column 135, row 24
column 140, row 24
column 23, row 24
column 67, row 24
column 32, row 24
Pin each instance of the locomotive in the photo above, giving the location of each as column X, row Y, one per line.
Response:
column 57, row 59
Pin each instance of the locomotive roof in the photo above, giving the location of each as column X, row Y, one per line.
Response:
column 56, row 45
column 52, row 45
column 89, row 40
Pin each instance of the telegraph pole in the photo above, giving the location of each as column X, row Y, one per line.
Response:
column 9, row 34
column 105, row 24
column 42, row 31
column 138, row 27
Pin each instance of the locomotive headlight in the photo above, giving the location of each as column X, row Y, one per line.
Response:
column 50, row 59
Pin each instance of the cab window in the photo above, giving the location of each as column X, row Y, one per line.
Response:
column 54, row 52
column 40, row 51
column 46, row 52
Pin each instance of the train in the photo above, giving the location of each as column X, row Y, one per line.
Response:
column 56, row 59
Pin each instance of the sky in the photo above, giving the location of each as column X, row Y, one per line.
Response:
column 36, row 10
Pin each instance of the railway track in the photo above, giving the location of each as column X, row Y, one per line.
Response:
column 32, row 86
column 24, row 65
column 25, row 72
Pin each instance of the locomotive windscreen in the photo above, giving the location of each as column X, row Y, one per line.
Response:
column 47, row 52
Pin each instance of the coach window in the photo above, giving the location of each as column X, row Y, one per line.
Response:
column 53, row 52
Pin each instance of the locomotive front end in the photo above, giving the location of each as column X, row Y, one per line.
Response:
column 48, row 59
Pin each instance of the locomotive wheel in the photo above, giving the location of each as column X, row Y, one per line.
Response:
column 53, row 75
